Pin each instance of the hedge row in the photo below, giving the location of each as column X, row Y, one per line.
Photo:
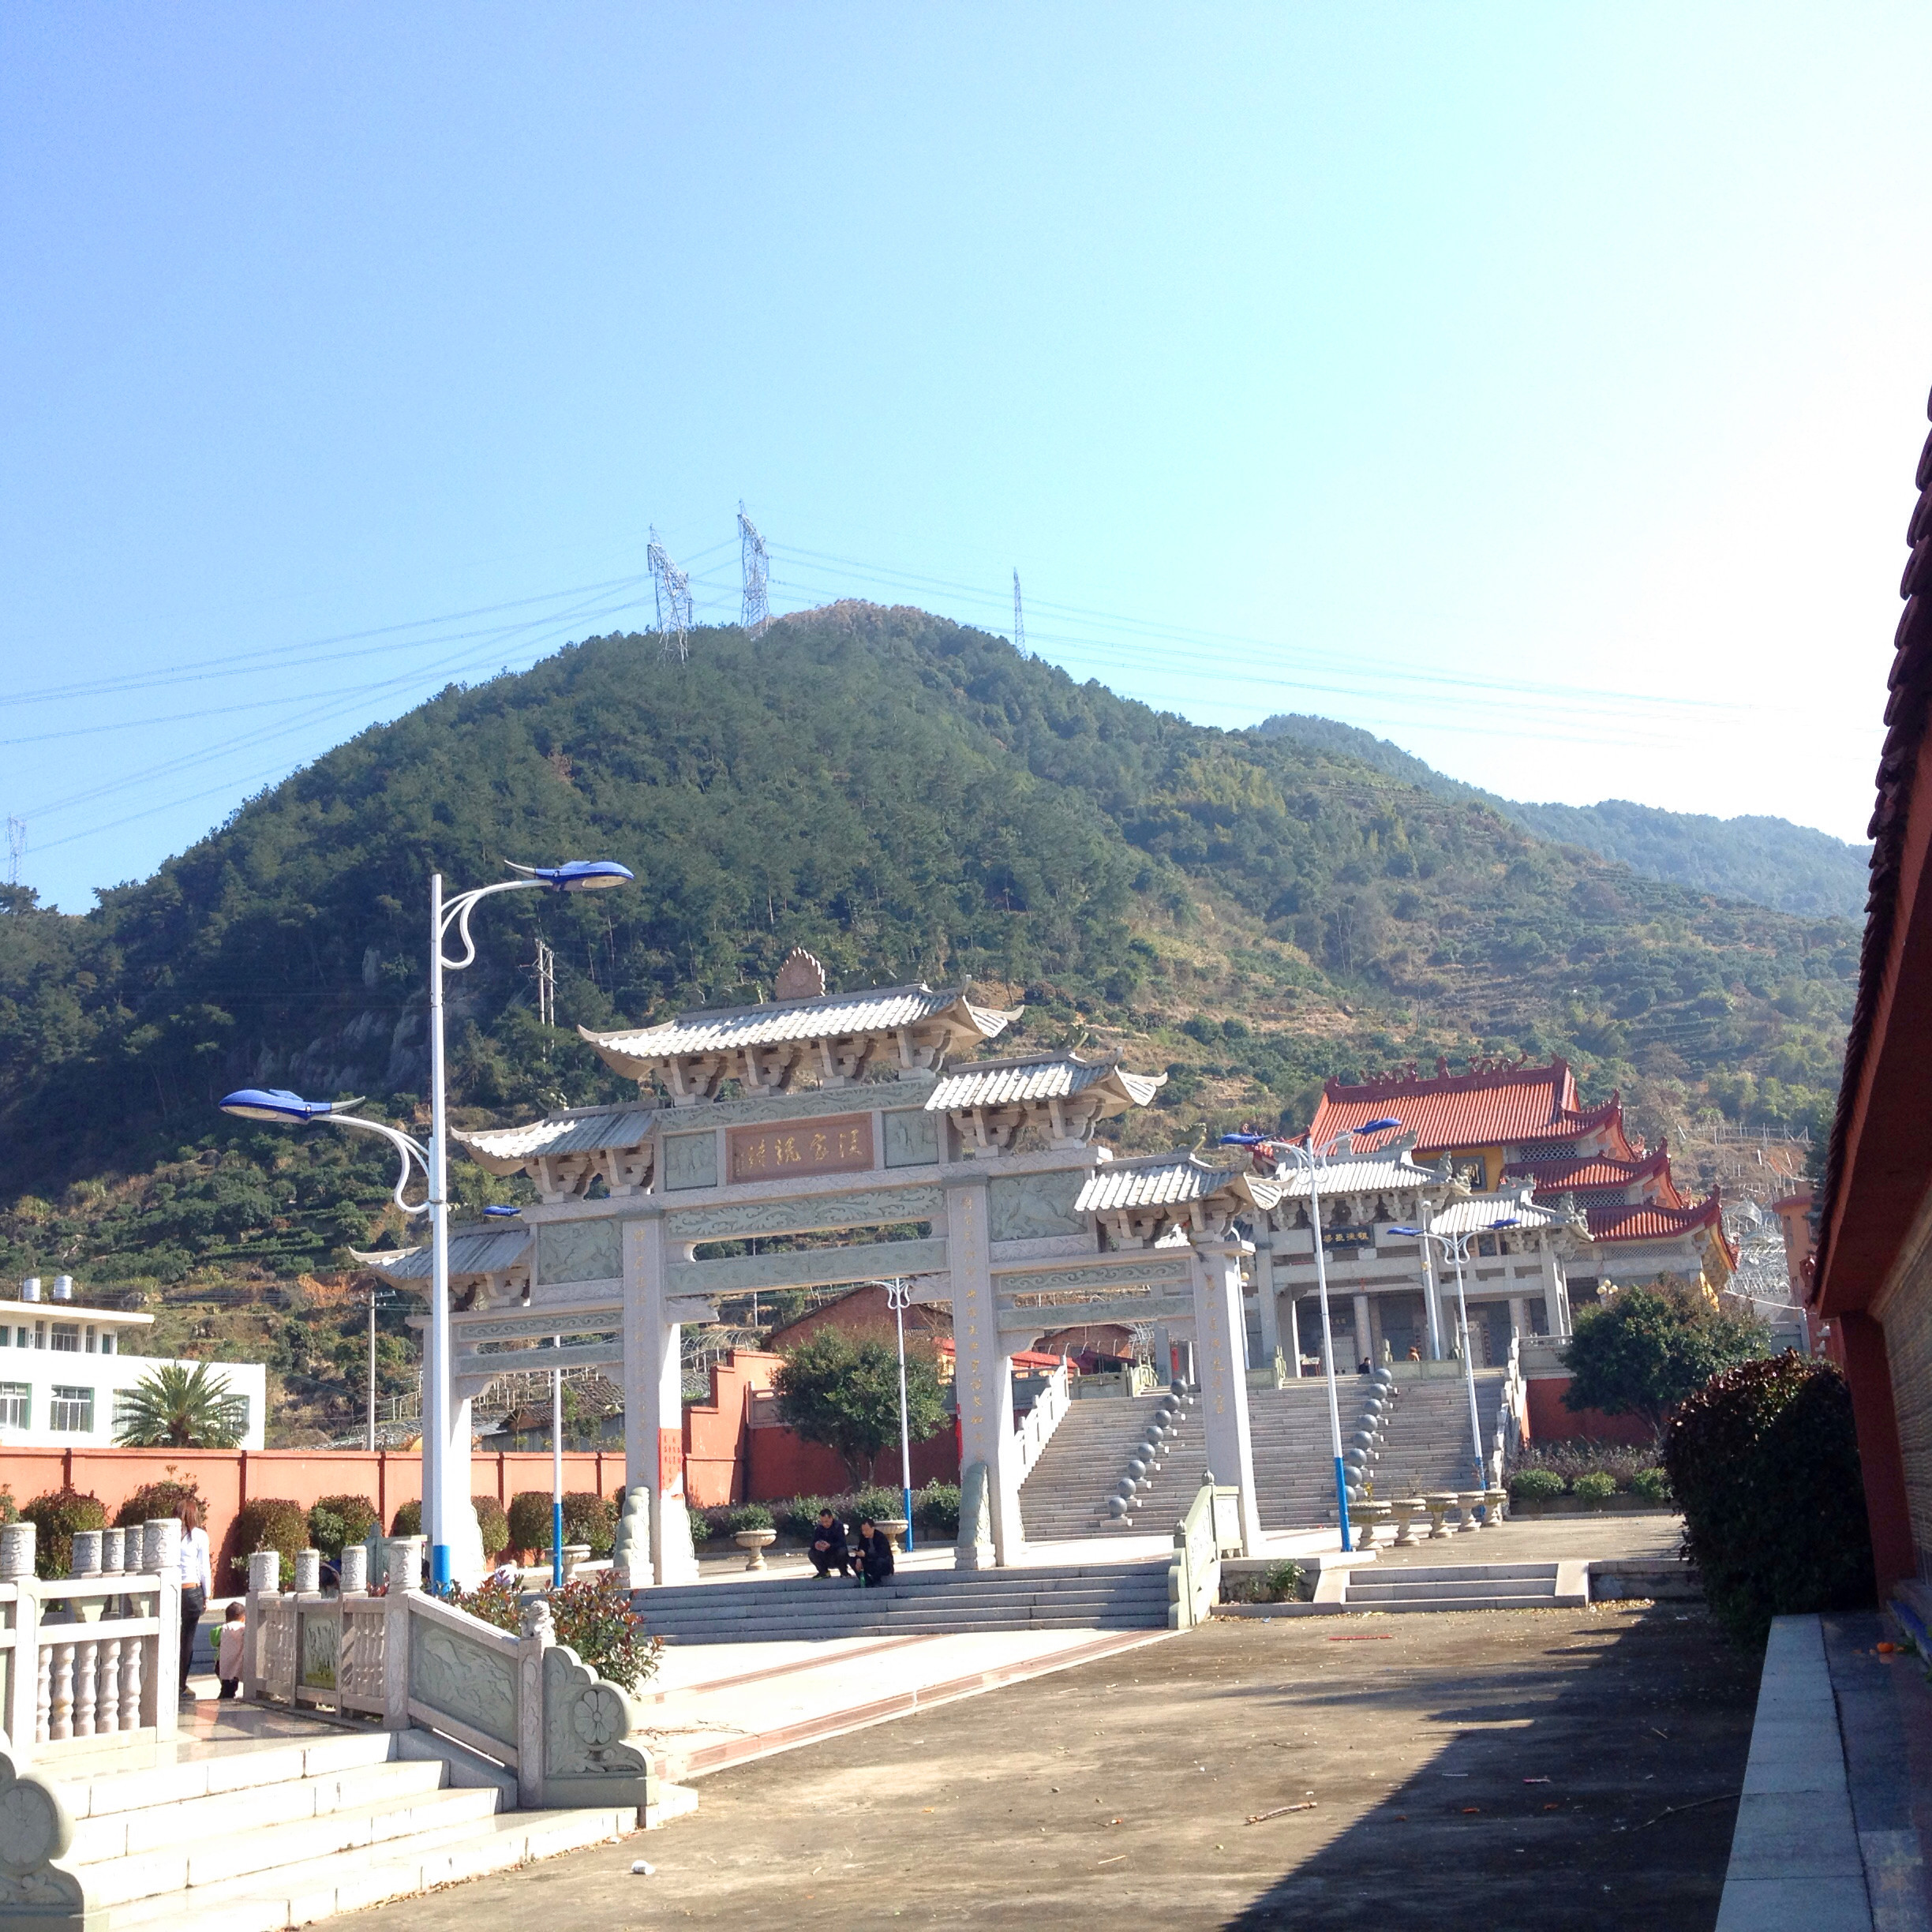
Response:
column 935, row 1511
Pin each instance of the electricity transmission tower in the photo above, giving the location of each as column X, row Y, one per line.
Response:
column 1019, row 619
column 16, row 848
column 671, row 587
column 757, row 613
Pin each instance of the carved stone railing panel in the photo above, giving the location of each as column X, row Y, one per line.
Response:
column 469, row 1676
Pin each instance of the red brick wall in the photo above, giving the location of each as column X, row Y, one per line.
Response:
column 783, row 1464
column 1550, row 1422
column 227, row 1478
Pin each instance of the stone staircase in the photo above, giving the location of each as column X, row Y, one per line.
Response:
column 254, row 1835
column 1124, row 1596
column 1427, row 1446
column 1068, row 1493
column 1468, row 1587
column 1294, row 1453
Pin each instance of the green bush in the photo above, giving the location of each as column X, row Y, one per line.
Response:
column 589, row 1517
column 152, row 1501
column 935, row 1509
column 1578, row 1455
column 1594, row 1486
column 55, row 1517
column 592, row 1614
column 529, row 1521
column 1535, row 1485
column 271, row 1523
column 1764, row 1461
column 499, row 1604
column 407, row 1521
column 492, row 1524
column 1651, row 1484
column 9, row 1510
column 335, row 1521
column 749, row 1516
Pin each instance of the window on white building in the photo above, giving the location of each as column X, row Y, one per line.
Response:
column 71, row 1411
column 23, row 1337
column 15, row 1405
column 107, row 1341
column 67, row 1337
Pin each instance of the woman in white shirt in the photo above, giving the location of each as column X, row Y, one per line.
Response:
column 196, row 1581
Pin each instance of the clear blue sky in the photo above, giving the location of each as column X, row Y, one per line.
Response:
column 1538, row 386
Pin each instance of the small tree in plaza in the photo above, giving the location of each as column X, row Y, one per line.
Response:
column 1650, row 1349
column 842, row 1392
column 181, row 1405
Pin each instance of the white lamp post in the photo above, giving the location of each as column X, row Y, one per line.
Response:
column 899, row 1298
column 1456, row 1248
column 444, row 1458
column 1310, row 1160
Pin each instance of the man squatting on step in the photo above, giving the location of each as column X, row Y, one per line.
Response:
column 874, row 1554
column 828, row 1551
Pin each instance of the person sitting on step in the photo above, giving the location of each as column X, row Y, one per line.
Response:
column 874, row 1554
column 828, row 1551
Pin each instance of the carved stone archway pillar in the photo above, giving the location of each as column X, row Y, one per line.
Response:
column 653, row 1400
column 983, row 1366
column 1219, row 1364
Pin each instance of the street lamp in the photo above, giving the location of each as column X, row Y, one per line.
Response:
column 1310, row 1160
column 899, row 1298
column 440, row 1506
column 1456, row 1248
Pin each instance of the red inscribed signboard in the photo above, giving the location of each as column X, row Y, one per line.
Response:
column 840, row 1144
column 670, row 1463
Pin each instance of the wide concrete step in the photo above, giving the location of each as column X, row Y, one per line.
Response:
column 348, row 1881
column 188, row 1865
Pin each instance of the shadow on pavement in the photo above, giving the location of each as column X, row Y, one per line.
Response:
column 1593, row 1785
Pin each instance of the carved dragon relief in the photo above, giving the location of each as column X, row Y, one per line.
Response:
column 464, row 1681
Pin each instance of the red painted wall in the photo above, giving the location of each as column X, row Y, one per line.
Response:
column 783, row 1464
column 227, row 1478
column 1550, row 1422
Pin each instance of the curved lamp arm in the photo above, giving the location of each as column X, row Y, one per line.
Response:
column 415, row 1154
column 456, row 911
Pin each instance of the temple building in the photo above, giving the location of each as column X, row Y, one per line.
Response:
column 1505, row 1124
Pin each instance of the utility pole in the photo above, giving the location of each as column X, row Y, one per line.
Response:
column 672, row 588
column 546, row 985
column 1019, row 617
column 375, row 1294
column 756, row 613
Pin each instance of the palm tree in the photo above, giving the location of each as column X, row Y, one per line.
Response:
column 180, row 1405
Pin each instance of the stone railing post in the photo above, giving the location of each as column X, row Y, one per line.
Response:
column 308, row 1572
column 113, row 1552
column 537, row 1635
column 404, row 1565
column 354, row 1566
column 264, row 1591
column 17, row 1567
column 161, row 1559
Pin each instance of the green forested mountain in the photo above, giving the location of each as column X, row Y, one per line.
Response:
column 909, row 799
column 1791, row 867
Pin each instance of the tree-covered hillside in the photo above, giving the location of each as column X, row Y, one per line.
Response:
column 907, row 798
column 1791, row 867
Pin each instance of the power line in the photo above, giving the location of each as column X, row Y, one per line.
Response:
column 671, row 587
column 755, row 613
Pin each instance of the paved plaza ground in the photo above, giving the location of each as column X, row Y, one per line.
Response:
column 1541, row 1769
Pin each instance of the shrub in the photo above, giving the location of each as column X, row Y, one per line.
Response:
column 55, row 1517
column 592, row 1614
column 935, row 1509
column 1594, row 1486
column 9, row 1510
column 492, row 1524
column 152, row 1501
column 749, row 1516
column 800, row 1517
column 1764, row 1461
column 1536, row 1485
column 1580, row 1455
column 271, row 1523
column 407, row 1521
column 589, row 1517
column 529, row 1521
column 336, row 1520
column 494, row 1603
column 1651, row 1484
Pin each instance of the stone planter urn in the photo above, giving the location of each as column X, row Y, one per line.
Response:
column 894, row 1528
column 755, row 1543
column 1494, row 1501
column 1368, row 1518
column 1405, row 1510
